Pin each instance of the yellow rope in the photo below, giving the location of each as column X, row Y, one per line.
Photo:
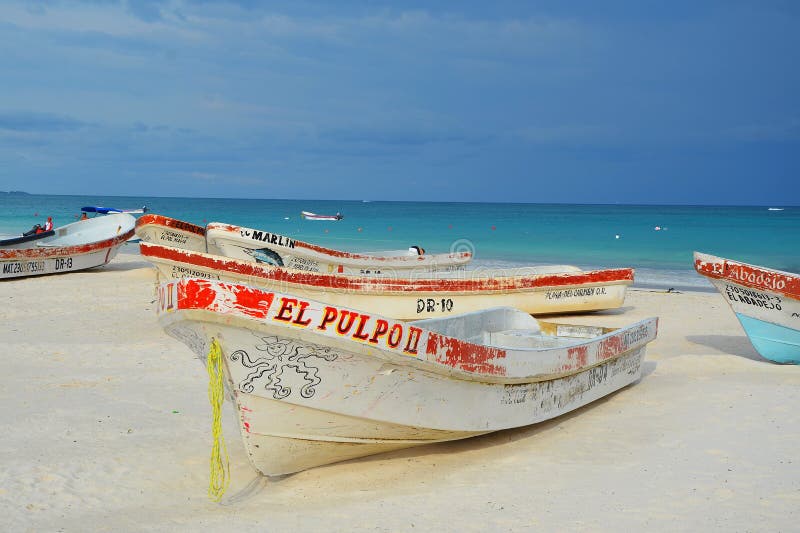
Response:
column 220, row 470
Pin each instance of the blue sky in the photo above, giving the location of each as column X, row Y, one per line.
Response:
column 576, row 102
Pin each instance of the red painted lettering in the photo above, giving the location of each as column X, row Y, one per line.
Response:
column 287, row 305
column 343, row 328
column 394, row 341
column 359, row 333
column 413, row 340
column 381, row 328
column 328, row 316
column 299, row 320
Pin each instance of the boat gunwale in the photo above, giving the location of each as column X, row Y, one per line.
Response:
column 367, row 285
column 69, row 250
column 154, row 219
column 716, row 267
column 340, row 254
column 609, row 345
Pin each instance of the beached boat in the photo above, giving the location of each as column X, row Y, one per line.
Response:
column 159, row 229
column 264, row 247
column 77, row 246
column 315, row 383
column 536, row 290
column 766, row 302
column 308, row 215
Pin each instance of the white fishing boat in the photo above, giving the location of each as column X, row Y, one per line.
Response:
column 308, row 215
column 766, row 302
column 315, row 383
column 536, row 290
column 279, row 250
column 158, row 229
column 77, row 246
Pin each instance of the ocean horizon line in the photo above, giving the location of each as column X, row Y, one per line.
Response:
column 360, row 200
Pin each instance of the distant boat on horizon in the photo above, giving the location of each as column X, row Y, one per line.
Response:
column 774, row 209
column 308, row 215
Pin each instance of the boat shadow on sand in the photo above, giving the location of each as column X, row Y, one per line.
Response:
column 462, row 447
column 123, row 266
column 603, row 312
column 738, row 345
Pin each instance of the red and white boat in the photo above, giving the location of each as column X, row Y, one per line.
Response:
column 261, row 246
column 535, row 290
column 766, row 302
column 84, row 244
column 315, row 383
column 158, row 229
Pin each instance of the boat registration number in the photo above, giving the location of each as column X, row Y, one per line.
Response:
column 23, row 266
column 432, row 305
column 63, row 263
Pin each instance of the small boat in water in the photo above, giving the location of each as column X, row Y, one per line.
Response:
column 111, row 210
column 315, row 383
column 766, row 302
column 535, row 290
column 264, row 247
column 77, row 246
column 308, row 215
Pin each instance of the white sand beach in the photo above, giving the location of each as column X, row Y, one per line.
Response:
column 106, row 426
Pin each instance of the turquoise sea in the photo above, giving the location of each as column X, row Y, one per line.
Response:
column 508, row 235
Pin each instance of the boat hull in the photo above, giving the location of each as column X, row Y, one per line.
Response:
column 313, row 216
column 764, row 301
column 248, row 244
column 310, row 393
column 57, row 263
column 65, row 252
column 409, row 299
column 772, row 341
column 282, row 437
column 167, row 231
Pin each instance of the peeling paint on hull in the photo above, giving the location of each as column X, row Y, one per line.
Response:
column 166, row 231
column 766, row 302
column 308, row 394
column 245, row 244
column 48, row 257
column 406, row 298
